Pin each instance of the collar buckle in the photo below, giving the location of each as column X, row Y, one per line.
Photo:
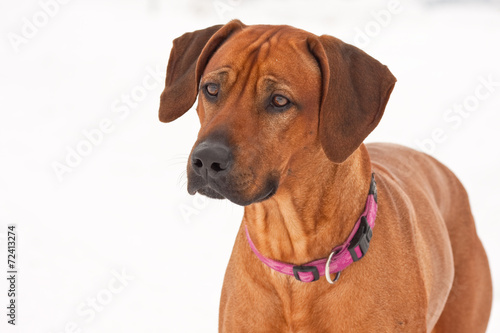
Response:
column 306, row 269
column 361, row 240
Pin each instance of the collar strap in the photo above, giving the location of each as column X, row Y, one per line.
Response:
column 353, row 249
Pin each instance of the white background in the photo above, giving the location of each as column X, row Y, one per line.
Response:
column 124, row 206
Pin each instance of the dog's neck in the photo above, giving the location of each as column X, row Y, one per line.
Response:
column 305, row 219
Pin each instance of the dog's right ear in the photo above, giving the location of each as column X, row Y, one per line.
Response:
column 188, row 59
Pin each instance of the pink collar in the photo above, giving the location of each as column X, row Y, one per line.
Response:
column 353, row 249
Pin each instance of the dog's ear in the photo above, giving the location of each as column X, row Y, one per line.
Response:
column 188, row 58
column 355, row 91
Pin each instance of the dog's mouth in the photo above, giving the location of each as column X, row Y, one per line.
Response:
column 208, row 192
column 271, row 192
column 232, row 193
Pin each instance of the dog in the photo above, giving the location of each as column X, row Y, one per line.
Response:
column 337, row 236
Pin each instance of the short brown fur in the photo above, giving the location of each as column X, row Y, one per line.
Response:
column 425, row 271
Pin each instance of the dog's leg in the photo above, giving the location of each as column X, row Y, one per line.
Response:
column 469, row 303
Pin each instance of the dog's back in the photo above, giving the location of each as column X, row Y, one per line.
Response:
column 433, row 194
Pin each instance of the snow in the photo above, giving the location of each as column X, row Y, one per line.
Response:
column 122, row 209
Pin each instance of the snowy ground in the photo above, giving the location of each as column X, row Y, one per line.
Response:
column 117, row 245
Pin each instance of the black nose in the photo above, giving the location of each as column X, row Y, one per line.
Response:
column 211, row 159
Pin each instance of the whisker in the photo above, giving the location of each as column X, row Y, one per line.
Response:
column 182, row 178
column 179, row 159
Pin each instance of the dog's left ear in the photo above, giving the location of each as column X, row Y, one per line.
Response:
column 355, row 91
column 188, row 59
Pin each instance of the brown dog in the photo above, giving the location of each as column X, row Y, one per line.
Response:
column 283, row 116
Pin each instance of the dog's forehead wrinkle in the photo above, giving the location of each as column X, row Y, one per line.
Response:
column 217, row 74
column 272, row 80
column 221, row 70
column 256, row 40
column 267, row 48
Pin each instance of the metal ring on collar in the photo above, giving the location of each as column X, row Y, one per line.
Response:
column 327, row 270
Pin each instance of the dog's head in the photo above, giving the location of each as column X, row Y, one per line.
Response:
column 271, row 100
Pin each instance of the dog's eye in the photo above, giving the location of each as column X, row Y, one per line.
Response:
column 212, row 89
column 280, row 101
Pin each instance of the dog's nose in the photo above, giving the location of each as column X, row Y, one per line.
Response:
column 211, row 159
